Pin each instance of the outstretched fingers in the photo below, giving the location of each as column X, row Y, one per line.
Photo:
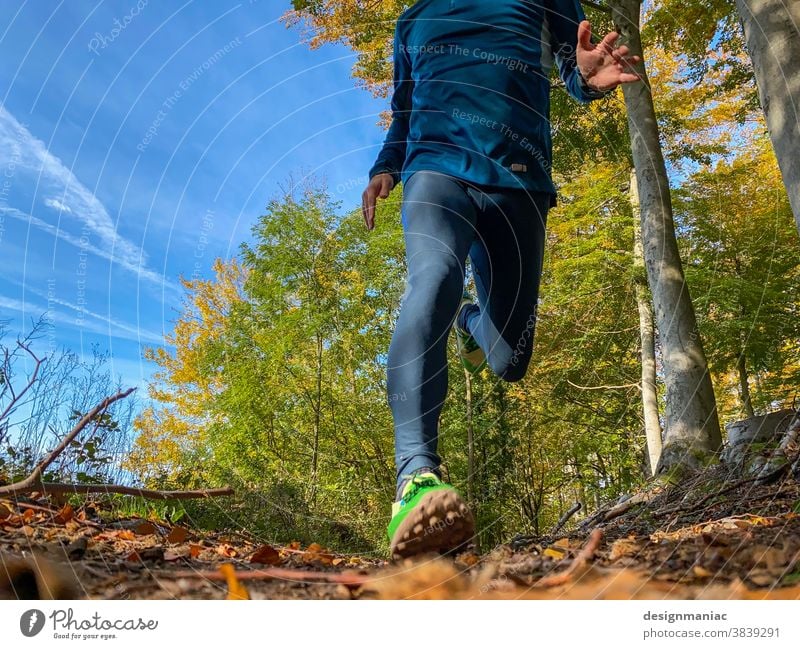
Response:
column 607, row 44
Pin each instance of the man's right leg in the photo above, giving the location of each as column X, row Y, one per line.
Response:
column 438, row 223
column 439, row 226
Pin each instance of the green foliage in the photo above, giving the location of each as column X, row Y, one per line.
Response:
column 277, row 385
column 740, row 251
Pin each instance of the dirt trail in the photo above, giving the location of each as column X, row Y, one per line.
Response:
column 684, row 544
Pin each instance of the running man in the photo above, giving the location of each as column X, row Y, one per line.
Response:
column 470, row 139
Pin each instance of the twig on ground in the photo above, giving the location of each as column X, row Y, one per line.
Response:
column 605, row 515
column 151, row 494
column 567, row 515
column 348, row 579
column 586, row 553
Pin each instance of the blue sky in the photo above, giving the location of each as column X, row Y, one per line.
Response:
column 140, row 141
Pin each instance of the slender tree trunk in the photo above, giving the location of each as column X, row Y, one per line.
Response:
column 747, row 404
column 692, row 424
column 652, row 425
column 317, row 417
column 470, row 440
column 772, row 32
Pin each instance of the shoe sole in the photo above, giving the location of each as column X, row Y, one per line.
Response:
column 441, row 522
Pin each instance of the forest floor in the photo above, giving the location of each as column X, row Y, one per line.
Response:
column 705, row 539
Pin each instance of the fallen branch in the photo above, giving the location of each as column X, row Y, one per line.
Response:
column 286, row 574
column 34, row 481
column 586, row 553
column 567, row 515
column 151, row 494
column 603, row 516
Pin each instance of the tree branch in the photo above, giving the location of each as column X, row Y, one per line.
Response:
column 33, row 481
column 151, row 494
column 6, row 366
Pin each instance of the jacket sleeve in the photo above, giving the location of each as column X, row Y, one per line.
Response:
column 564, row 16
column 393, row 154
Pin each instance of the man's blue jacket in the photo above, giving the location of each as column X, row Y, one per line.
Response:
column 472, row 89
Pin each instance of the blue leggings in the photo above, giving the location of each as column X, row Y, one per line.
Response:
column 445, row 219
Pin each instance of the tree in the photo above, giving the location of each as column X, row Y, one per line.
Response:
column 652, row 424
column 772, row 31
column 741, row 250
column 692, row 424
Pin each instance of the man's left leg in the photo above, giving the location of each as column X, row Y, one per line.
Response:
column 507, row 257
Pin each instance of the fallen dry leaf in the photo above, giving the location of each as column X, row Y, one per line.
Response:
column 195, row 550
column 145, row 528
column 623, row 547
column 554, row 554
column 266, row 554
column 177, row 535
column 467, row 558
column 65, row 514
column 699, row 571
column 236, row 589
column 226, row 550
column 316, row 553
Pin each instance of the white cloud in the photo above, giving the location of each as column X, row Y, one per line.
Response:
column 91, row 322
column 21, row 152
column 57, row 205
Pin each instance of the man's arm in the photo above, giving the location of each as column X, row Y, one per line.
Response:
column 393, row 154
column 564, row 16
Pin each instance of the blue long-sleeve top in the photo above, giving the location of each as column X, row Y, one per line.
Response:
column 471, row 89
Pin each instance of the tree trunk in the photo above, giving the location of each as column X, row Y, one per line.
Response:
column 470, row 441
column 772, row 32
column 692, row 424
column 747, row 404
column 317, row 416
column 652, row 425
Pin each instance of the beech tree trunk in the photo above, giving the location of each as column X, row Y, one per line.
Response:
column 470, row 441
column 652, row 425
column 747, row 403
column 692, row 423
column 772, row 32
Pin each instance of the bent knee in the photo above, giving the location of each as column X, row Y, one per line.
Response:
column 514, row 369
column 513, row 373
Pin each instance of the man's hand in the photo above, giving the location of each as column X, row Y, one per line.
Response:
column 380, row 185
column 603, row 66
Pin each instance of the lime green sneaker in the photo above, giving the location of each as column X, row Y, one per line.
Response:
column 473, row 357
column 429, row 517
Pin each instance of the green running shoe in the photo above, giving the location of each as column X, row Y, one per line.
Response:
column 429, row 517
column 473, row 357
